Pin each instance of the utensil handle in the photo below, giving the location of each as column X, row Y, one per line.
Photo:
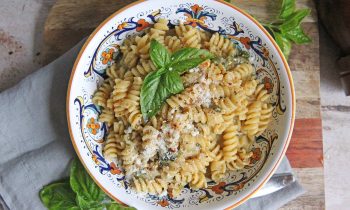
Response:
column 276, row 182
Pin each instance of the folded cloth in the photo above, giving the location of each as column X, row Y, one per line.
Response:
column 35, row 144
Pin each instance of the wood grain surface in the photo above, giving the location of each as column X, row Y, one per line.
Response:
column 71, row 20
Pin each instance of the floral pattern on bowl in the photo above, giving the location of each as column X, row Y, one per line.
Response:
column 214, row 16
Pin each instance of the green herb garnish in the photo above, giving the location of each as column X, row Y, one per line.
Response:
column 166, row 80
column 79, row 192
column 286, row 28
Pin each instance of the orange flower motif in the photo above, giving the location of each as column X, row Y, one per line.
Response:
column 115, row 169
column 163, row 203
column 194, row 22
column 265, row 52
column 92, row 126
column 94, row 158
column 219, row 188
column 142, row 24
column 122, row 25
column 268, row 84
column 107, row 56
column 196, row 8
column 245, row 41
column 256, row 155
column 239, row 186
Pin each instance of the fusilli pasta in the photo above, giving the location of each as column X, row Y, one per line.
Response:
column 203, row 132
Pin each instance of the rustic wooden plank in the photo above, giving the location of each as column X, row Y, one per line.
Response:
column 71, row 20
column 312, row 179
column 306, row 57
column 306, row 148
column 307, row 84
column 308, row 108
column 307, row 91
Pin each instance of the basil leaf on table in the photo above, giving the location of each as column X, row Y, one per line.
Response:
column 88, row 204
column 159, row 54
column 83, row 185
column 287, row 8
column 286, row 29
column 77, row 193
column 58, row 196
column 188, row 58
column 298, row 36
column 294, row 20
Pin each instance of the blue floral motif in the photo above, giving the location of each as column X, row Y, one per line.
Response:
column 196, row 16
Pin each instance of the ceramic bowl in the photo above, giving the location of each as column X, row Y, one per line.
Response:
column 88, row 134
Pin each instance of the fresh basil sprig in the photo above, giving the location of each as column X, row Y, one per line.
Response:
column 166, row 81
column 286, row 29
column 79, row 192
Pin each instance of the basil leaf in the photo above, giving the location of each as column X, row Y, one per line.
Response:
column 283, row 43
column 152, row 95
column 89, row 204
column 287, row 8
column 83, row 185
column 188, row 58
column 58, row 196
column 298, row 36
column 117, row 206
column 156, row 88
column 294, row 20
column 159, row 54
column 173, row 82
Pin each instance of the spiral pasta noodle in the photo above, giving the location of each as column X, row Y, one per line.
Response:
column 150, row 186
column 114, row 71
column 261, row 93
column 242, row 160
column 130, row 53
column 159, row 30
column 180, row 100
column 218, row 165
column 265, row 118
column 107, row 116
column 243, row 71
column 221, row 46
column 251, row 125
column 143, row 68
column 172, row 43
column 102, row 94
column 113, row 146
column 230, row 143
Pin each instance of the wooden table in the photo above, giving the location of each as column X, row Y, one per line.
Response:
column 71, row 20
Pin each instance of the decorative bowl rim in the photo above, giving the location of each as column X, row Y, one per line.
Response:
column 257, row 24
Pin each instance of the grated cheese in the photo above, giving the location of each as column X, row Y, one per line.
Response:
column 194, row 70
column 128, row 130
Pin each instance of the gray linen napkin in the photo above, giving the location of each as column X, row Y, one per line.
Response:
column 35, row 146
